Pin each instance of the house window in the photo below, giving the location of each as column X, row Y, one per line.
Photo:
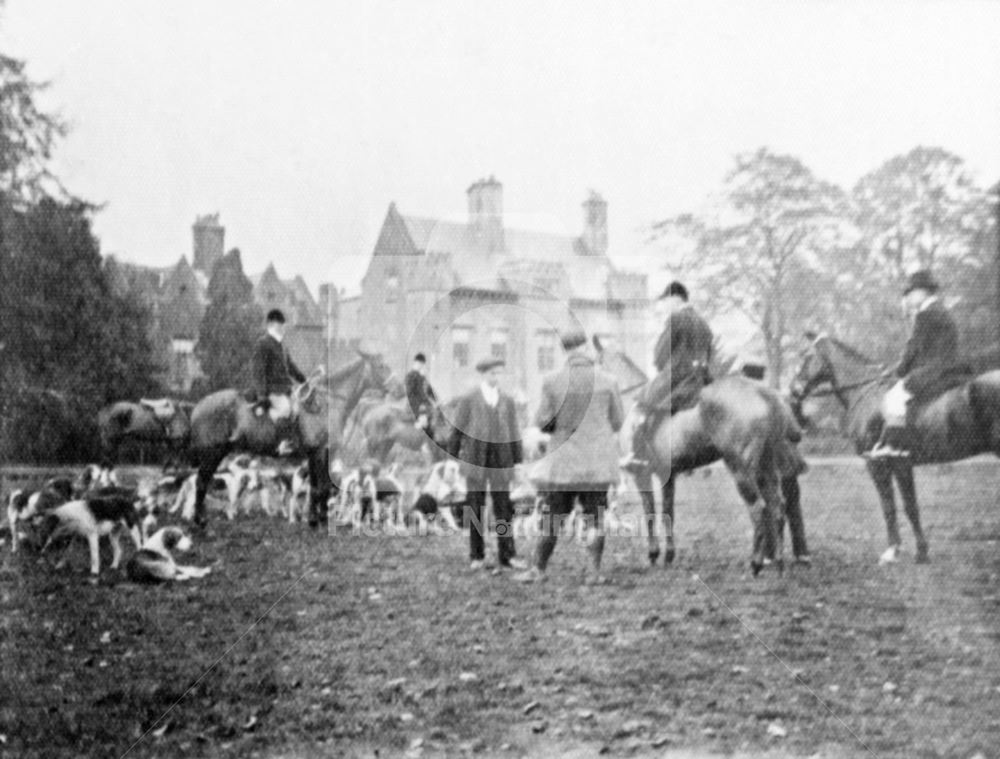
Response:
column 460, row 339
column 546, row 351
column 392, row 286
column 498, row 344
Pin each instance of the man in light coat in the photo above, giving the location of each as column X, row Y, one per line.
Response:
column 582, row 408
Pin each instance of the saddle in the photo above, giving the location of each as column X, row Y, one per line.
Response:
column 163, row 408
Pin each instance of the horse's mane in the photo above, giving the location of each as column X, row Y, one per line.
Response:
column 850, row 351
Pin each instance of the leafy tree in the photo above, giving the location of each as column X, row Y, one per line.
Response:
column 71, row 344
column 761, row 247
column 68, row 344
column 230, row 326
column 924, row 210
column 27, row 136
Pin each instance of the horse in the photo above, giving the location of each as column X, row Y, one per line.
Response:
column 748, row 426
column 379, row 424
column 160, row 421
column 962, row 422
column 224, row 422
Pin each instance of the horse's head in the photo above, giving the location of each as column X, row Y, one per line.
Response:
column 815, row 368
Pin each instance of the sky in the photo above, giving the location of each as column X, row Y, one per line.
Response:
column 300, row 122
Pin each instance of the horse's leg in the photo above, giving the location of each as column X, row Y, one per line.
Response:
column 773, row 517
column 908, row 490
column 792, row 495
column 644, row 484
column 667, row 505
column 320, row 486
column 881, row 474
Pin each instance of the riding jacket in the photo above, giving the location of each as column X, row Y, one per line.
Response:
column 930, row 362
column 273, row 369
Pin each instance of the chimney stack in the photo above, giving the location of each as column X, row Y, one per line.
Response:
column 595, row 224
column 486, row 213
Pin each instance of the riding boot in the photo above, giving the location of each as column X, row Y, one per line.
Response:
column 637, row 460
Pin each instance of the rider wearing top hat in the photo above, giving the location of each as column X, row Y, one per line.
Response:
column 682, row 357
column 272, row 371
column 419, row 392
column 929, row 365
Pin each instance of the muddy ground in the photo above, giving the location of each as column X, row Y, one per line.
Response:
column 301, row 644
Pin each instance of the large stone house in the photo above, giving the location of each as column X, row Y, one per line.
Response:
column 460, row 291
column 178, row 297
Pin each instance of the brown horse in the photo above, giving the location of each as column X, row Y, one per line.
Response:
column 224, row 422
column 963, row 422
column 749, row 427
column 163, row 421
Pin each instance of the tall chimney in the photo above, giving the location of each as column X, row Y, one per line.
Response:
column 209, row 242
column 486, row 213
column 595, row 224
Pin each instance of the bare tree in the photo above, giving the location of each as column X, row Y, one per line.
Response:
column 763, row 246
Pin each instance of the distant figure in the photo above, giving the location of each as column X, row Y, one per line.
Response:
column 273, row 372
column 486, row 441
column 682, row 357
column 582, row 408
column 929, row 366
column 419, row 392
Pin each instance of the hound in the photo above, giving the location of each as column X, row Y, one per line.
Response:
column 24, row 505
column 154, row 562
column 96, row 517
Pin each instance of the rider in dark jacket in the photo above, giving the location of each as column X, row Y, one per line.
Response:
column 682, row 356
column 929, row 366
column 419, row 392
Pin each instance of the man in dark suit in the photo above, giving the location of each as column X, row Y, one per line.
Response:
column 487, row 442
column 419, row 392
column 929, row 366
column 582, row 407
column 272, row 372
column 682, row 356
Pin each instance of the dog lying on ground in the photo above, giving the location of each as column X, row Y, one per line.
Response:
column 154, row 562
column 95, row 517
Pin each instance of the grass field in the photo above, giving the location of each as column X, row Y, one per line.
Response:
column 301, row 644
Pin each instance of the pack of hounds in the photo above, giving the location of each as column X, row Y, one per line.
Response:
column 94, row 504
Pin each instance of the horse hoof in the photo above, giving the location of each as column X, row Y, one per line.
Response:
column 889, row 556
column 653, row 556
column 756, row 567
column 669, row 556
column 923, row 557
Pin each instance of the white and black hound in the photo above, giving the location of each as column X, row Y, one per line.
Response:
column 154, row 562
column 95, row 517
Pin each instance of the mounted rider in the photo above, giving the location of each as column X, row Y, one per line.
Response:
column 419, row 392
column 272, row 374
column 682, row 357
column 930, row 365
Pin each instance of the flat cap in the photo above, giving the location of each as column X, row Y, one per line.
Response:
column 572, row 338
column 486, row 364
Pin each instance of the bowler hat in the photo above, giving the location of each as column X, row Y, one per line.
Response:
column 675, row 289
column 275, row 315
column 421, row 358
column 573, row 338
column 921, row 280
column 486, row 364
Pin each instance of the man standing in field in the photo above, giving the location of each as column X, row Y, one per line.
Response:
column 487, row 442
column 582, row 408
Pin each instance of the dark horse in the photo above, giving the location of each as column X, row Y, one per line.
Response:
column 749, row 427
column 377, row 425
column 323, row 402
column 162, row 421
column 962, row 422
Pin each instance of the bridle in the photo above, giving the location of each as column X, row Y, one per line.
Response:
column 828, row 375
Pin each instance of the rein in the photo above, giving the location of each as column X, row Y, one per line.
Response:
column 838, row 389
